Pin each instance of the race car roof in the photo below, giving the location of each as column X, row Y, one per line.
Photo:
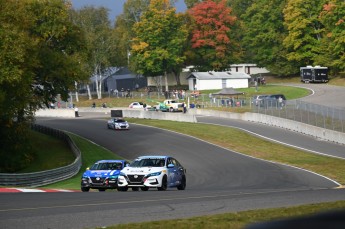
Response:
column 153, row 157
column 105, row 161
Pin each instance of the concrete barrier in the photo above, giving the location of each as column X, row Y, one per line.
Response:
column 65, row 113
column 174, row 116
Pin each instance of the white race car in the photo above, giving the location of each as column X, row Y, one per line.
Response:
column 118, row 124
column 147, row 172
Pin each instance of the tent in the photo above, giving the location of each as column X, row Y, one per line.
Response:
column 228, row 92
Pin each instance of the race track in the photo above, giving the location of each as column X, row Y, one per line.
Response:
column 218, row 180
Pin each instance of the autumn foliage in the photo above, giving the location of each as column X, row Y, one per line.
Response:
column 211, row 29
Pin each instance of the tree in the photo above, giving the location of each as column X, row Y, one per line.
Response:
column 160, row 35
column 263, row 37
column 304, row 30
column 333, row 44
column 100, row 43
column 39, row 60
column 210, row 39
column 132, row 11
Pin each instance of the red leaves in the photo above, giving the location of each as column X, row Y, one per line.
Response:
column 212, row 24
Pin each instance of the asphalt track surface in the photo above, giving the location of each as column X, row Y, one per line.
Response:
column 218, row 180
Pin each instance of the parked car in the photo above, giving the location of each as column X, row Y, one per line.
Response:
column 274, row 100
column 136, row 105
column 147, row 172
column 257, row 99
column 102, row 175
column 117, row 124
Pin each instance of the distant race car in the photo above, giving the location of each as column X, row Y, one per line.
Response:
column 147, row 172
column 118, row 124
column 102, row 175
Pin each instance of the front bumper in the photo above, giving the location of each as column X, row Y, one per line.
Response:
column 140, row 181
column 101, row 183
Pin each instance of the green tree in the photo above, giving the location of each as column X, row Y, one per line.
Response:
column 210, row 41
column 304, row 30
column 100, row 43
column 333, row 44
column 263, row 37
column 38, row 60
column 132, row 11
column 160, row 35
column 191, row 3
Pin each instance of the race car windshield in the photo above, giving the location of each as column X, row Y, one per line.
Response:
column 120, row 120
column 148, row 162
column 106, row 166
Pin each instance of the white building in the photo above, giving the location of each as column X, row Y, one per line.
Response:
column 237, row 79
column 217, row 80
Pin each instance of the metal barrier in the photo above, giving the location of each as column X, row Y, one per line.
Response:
column 312, row 114
column 41, row 178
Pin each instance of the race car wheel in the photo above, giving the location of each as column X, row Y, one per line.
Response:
column 144, row 188
column 182, row 186
column 164, row 184
column 135, row 189
column 84, row 189
column 122, row 189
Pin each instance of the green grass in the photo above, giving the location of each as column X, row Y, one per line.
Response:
column 90, row 154
column 236, row 220
column 45, row 148
column 289, row 92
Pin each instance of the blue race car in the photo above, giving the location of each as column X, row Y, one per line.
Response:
column 102, row 175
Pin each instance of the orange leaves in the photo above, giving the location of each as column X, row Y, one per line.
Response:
column 211, row 31
column 212, row 23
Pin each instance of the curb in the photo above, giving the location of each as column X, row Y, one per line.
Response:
column 16, row 190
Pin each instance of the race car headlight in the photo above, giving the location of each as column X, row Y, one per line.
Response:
column 113, row 177
column 154, row 174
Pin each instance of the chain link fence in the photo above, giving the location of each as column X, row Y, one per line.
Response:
column 313, row 114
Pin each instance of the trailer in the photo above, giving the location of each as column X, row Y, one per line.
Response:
column 315, row 74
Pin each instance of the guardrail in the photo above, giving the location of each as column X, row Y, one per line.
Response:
column 41, row 178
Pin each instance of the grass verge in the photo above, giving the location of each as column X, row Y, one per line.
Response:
column 90, row 154
column 237, row 220
column 58, row 150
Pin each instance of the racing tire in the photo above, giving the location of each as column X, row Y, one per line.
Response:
column 164, row 184
column 182, row 186
column 135, row 189
column 122, row 189
column 85, row 189
column 144, row 188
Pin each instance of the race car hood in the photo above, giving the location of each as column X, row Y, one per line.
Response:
column 101, row 173
column 142, row 170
